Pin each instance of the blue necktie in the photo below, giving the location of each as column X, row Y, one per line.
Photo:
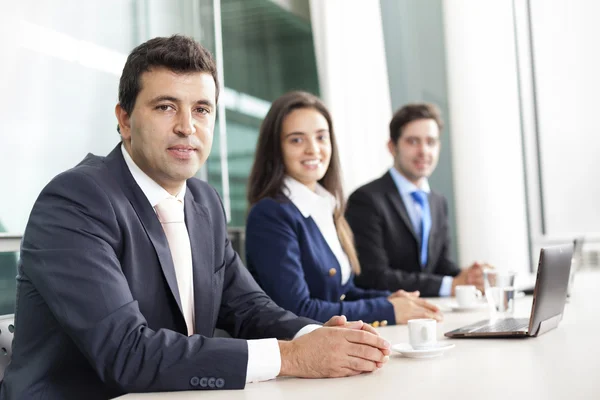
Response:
column 421, row 198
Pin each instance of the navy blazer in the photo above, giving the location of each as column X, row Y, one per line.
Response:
column 98, row 311
column 289, row 257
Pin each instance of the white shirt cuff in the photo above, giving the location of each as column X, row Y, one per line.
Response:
column 307, row 329
column 264, row 360
column 264, row 357
column 446, row 287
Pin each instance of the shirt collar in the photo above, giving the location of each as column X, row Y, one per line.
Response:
column 307, row 201
column 405, row 186
column 153, row 191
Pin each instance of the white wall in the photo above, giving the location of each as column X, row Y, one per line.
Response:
column 567, row 61
column 352, row 71
column 58, row 80
column 486, row 143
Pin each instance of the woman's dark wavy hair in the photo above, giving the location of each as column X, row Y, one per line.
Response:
column 268, row 171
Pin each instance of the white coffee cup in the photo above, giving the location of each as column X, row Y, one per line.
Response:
column 467, row 295
column 422, row 333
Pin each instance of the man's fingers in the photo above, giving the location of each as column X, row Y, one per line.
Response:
column 366, row 352
column 381, row 364
column 360, row 364
column 347, row 372
column 366, row 338
column 354, row 325
column 336, row 320
column 370, row 329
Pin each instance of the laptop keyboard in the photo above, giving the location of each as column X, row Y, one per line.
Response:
column 505, row 325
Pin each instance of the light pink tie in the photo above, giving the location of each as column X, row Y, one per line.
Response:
column 170, row 214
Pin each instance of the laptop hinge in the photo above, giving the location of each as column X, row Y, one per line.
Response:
column 548, row 324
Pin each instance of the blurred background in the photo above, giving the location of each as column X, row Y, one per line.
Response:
column 516, row 81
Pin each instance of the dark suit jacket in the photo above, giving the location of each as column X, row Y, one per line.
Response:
column 98, row 311
column 388, row 247
column 290, row 259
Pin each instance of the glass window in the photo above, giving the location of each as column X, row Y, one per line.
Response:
column 8, row 282
column 267, row 51
column 59, row 82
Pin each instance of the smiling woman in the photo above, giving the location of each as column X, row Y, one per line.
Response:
column 306, row 146
column 299, row 246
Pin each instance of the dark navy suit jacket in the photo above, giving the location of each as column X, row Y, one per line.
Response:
column 289, row 257
column 388, row 247
column 98, row 311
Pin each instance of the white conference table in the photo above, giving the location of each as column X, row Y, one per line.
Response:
column 561, row 364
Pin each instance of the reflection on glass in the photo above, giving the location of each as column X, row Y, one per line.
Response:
column 59, row 77
column 267, row 51
column 8, row 282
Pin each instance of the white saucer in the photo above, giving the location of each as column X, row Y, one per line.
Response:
column 435, row 351
column 475, row 307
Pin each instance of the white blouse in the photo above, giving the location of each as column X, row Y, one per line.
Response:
column 319, row 205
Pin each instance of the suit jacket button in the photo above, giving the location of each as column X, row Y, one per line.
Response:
column 220, row 383
column 375, row 324
column 204, row 382
column 342, row 297
column 332, row 272
column 384, row 323
column 195, row 381
column 211, row 383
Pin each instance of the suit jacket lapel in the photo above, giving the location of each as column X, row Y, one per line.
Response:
column 435, row 216
column 116, row 163
column 394, row 196
column 200, row 231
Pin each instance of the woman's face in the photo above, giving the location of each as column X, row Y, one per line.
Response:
column 306, row 145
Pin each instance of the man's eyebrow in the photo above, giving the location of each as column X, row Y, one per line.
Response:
column 208, row 103
column 173, row 99
column 160, row 98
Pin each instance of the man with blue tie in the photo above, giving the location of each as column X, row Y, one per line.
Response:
column 126, row 269
column 400, row 225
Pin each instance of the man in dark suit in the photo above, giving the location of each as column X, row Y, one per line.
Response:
column 400, row 226
column 126, row 269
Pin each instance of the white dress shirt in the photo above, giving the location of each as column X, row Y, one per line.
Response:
column 320, row 205
column 264, row 357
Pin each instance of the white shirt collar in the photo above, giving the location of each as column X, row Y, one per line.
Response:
column 405, row 186
column 307, row 201
column 153, row 191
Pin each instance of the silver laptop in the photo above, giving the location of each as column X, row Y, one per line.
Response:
column 549, row 299
column 526, row 283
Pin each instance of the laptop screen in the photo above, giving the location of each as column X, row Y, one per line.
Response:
column 551, row 285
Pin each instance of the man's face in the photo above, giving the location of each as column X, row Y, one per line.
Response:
column 169, row 133
column 417, row 150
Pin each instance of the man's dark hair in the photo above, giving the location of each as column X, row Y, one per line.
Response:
column 413, row 112
column 177, row 53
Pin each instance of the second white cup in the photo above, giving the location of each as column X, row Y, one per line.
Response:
column 467, row 295
column 422, row 333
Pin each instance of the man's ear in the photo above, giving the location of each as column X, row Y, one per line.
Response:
column 124, row 127
column 392, row 147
